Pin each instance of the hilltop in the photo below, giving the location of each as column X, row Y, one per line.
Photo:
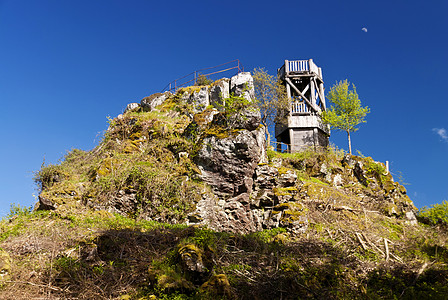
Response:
column 182, row 199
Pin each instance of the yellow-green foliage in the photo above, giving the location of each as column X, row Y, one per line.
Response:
column 202, row 80
column 284, row 191
column 81, row 251
column 141, row 154
column 5, row 266
column 325, row 193
column 216, row 286
column 190, row 89
column 437, row 213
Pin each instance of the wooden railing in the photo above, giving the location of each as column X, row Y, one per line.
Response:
column 210, row 72
column 299, row 66
column 299, row 108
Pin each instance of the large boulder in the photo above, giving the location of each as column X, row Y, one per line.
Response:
column 131, row 107
column 242, row 84
column 200, row 99
column 151, row 102
column 228, row 164
column 219, row 91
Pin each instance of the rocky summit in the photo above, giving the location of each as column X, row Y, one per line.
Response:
column 183, row 199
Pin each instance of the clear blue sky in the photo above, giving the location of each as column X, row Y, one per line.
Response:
column 67, row 65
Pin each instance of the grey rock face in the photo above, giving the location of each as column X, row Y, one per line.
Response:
column 410, row 216
column 45, row 204
column 248, row 119
column 219, row 92
column 266, row 177
column 228, row 164
column 232, row 214
column 360, row 173
column 124, row 202
column 131, row 107
column 242, row 84
column 151, row 102
column 288, row 178
column 200, row 100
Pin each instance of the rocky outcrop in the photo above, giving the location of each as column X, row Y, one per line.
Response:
column 228, row 164
column 199, row 157
column 131, row 107
column 242, row 84
column 151, row 102
column 219, row 90
column 200, row 99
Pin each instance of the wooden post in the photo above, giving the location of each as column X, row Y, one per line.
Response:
column 321, row 89
column 313, row 92
column 291, row 140
column 286, row 68
column 288, row 93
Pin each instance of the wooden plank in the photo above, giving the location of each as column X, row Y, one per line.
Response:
column 302, row 95
column 321, row 95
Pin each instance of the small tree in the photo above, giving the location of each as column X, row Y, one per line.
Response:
column 272, row 99
column 202, row 80
column 346, row 112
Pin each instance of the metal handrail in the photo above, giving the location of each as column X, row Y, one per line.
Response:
column 175, row 84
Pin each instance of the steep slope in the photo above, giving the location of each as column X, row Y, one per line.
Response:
column 182, row 200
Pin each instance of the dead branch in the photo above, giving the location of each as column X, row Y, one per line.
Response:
column 386, row 247
column 245, row 276
column 35, row 284
column 358, row 235
column 373, row 245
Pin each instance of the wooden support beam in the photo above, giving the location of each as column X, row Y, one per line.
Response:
column 306, row 89
column 321, row 94
column 313, row 92
column 288, row 93
column 302, row 95
column 321, row 89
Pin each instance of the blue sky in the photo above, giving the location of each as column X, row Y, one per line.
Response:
column 67, row 65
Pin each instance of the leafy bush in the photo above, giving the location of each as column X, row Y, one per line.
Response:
column 48, row 175
column 437, row 213
column 18, row 210
column 202, row 80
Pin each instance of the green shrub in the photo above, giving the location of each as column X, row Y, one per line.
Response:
column 18, row 210
column 48, row 175
column 437, row 213
column 202, row 80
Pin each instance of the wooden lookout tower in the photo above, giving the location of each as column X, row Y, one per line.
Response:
column 305, row 89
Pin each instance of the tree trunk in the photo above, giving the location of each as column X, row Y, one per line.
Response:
column 268, row 137
column 349, row 143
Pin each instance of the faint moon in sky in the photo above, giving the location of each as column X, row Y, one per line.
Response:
column 364, row 29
